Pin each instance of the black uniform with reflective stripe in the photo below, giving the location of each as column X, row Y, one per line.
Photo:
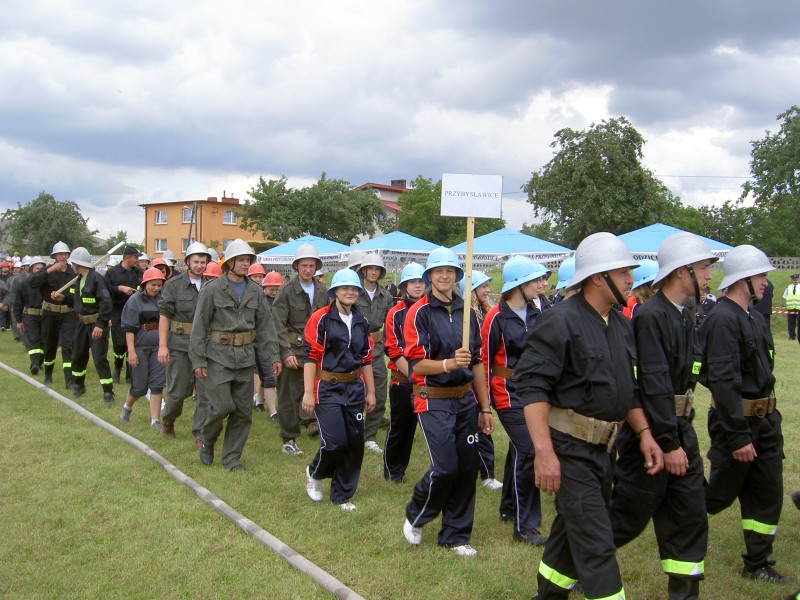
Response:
column 119, row 275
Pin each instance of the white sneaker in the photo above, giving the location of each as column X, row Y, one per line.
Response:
column 412, row 534
column 464, row 550
column 373, row 447
column 291, row 448
column 492, row 484
column 348, row 506
column 313, row 487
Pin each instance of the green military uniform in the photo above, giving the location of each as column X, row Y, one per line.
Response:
column 225, row 331
column 178, row 303
column 375, row 311
column 291, row 311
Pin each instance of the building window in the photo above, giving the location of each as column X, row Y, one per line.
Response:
column 185, row 243
column 161, row 217
column 229, row 217
column 188, row 215
column 225, row 243
column 161, row 244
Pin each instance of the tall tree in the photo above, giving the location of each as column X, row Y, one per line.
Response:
column 42, row 222
column 596, row 182
column 775, row 186
column 329, row 209
column 420, row 216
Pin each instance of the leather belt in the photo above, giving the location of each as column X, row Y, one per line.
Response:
column 588, row 429
column 180, row 328
column 683, row 404
column 34, row 312
column 233, row 338
column 56, row 308
column 296, row 339
column 502, row 371
column 425, row 392
column 759, row 407
column 339, row 377
column 89, row 319
column 377, row 336
column 398, row 377
column 149, row 327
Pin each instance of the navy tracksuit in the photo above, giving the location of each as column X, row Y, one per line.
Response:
column 339, row 406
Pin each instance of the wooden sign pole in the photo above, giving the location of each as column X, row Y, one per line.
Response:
column 468, row 283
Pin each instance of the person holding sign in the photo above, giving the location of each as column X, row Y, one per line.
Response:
column 442, row 374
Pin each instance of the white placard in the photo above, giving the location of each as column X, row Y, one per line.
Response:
column 469, row 195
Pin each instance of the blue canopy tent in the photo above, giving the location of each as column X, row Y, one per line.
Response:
column 330, row 252
column 491, row 249
column 397, row 248
column 644, row 242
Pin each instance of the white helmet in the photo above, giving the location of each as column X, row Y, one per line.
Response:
column 306, row 251
column 169, row 256
column 680, row 250
column 144, row 256
column 17, row 264
column 373, row 259
column 58, row 248
column 213, row 254
column 238, row 247
column 81, row 257
column 743, row 262
column 26, row 261
column 354, row 258
column 38, row 260
column 599, row 253
column 194, row 248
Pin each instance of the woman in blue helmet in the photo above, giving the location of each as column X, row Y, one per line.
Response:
column 337, row 376
column 442, row 375
column 503, row 334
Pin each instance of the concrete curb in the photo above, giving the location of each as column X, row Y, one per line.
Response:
column 298, row 561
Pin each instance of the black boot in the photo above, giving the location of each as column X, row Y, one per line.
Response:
column 683, row 589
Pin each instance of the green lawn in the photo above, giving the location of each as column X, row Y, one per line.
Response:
column 85, row 515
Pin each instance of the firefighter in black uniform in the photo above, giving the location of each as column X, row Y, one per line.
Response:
column 92, row 304
column 58, row 322
column 123, row 280
column 743, row 422
column 577, row 380
column 666, row 340
column 28, row 312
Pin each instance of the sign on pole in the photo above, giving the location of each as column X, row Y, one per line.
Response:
column 470, row 195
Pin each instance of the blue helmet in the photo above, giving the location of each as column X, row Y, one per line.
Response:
column 519, row 270
column 412, row 270
column 344, row 277
column 565, row 272
column 478, row 279
column 645, row 273
column 442, row 257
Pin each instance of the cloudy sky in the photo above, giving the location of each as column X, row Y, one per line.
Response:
column 112, row 104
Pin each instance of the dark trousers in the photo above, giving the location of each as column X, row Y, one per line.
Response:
column 181, row 383
column 230, row 396
column 379, row 376
column 341, row 439
column 521, row 499
column 402, row 427
column 58, row 328
column 81, row 346
column 290, row 396
column 758, row 485
column 33, row 333
column 120, row 346
column 450, row 428
column 485, row 456
column 581, row 542
column 791, row 318
column 674, row 503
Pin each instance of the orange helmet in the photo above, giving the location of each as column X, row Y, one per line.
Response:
column 153, row 274
column 272, row 278
column 213, row 270
column 255, row 269
column 159, row 262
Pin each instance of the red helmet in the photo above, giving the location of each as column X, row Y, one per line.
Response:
column 272, row 278
column 255, row 269
column 213, row 270
column 159, row 262
column 153, row 274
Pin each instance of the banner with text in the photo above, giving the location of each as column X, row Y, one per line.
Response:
column 466, row 195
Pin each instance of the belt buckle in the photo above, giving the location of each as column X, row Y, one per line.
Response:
column 612, row 436
column 179, row 328
column 333, row 379
column 223, row 337
column 298, row 341
column 760, row 408
column 423, row 393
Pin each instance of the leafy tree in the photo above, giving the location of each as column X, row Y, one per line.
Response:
column 542, row 230
column 775, row 186
column 420, row 216
column 35, row 227
column 596, row 182
column 329, row 209
column 120, row 236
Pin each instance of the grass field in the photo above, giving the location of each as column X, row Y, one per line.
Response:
column 84, row 515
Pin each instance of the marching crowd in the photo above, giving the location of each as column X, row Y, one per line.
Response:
column 593, row 385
